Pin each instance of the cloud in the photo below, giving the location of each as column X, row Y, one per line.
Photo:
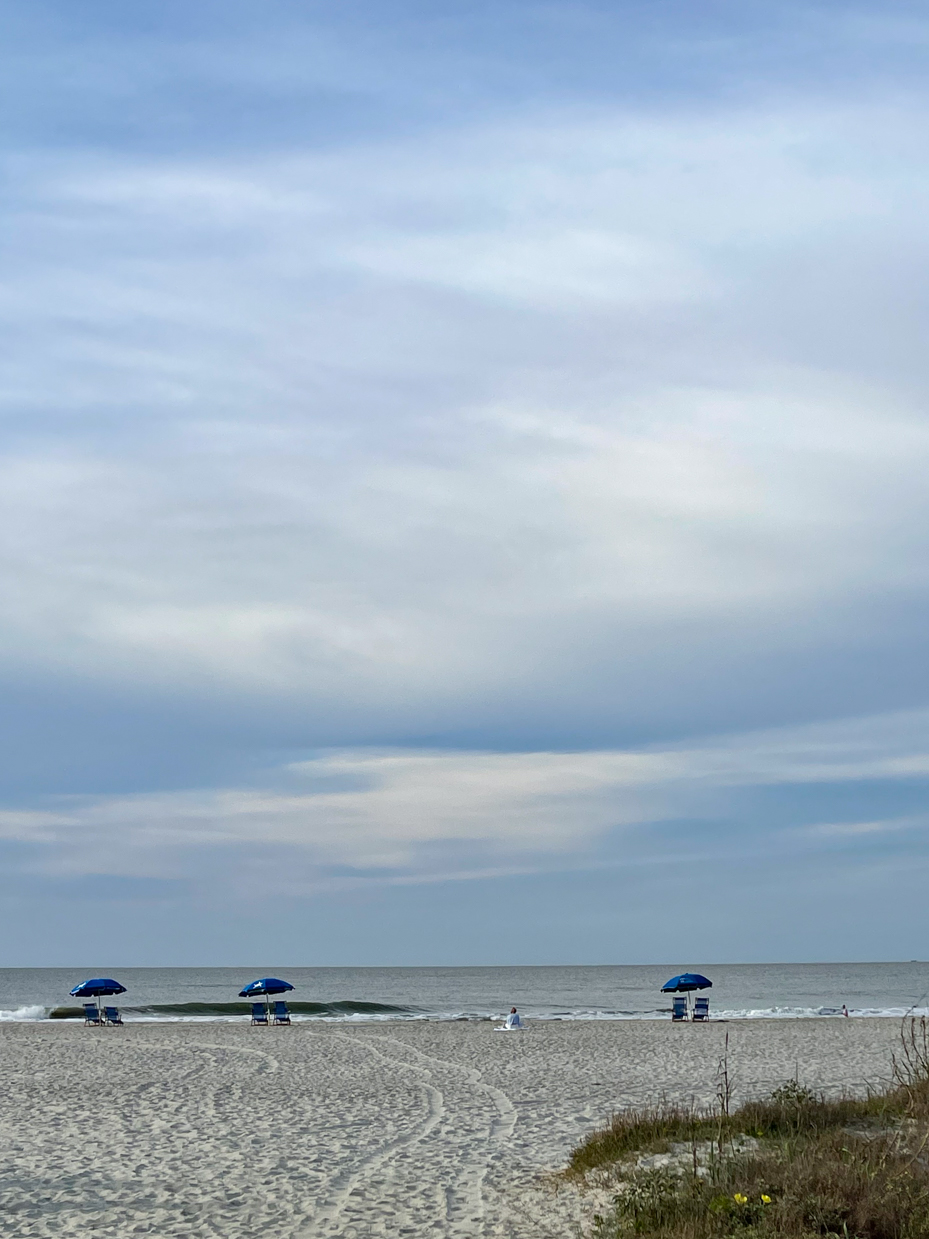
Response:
column 408, row 419
column 531, row 448
column 418, row 815
column 854, row 829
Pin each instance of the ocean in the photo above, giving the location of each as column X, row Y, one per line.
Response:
column 608, row 992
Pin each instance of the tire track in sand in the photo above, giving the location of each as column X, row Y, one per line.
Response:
column 326, row 1219
column 464, row 1201
column 273, row 1064
column 501, row 1128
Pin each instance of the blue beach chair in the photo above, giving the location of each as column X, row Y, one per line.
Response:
column 281, row 1014
column 701, row 1008
column 679, row 1008
column 112, row 1015
column 91, row 1013
column 259, row 1013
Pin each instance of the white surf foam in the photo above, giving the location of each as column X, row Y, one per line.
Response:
column 23, row 1014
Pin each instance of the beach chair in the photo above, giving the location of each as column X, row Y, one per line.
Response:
column 259, row 1013
column 91, row 1013
column 701, row 1008
column 112, row 1015
column 679, row 1008
column 281, row 1014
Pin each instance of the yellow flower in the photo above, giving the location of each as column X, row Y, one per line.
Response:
column 740, row 1199
column 765, row 1200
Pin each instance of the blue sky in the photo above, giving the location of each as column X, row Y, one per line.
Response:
column 463, row 483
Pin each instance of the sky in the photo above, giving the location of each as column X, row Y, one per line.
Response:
column 463, row 482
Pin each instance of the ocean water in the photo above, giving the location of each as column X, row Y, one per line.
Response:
column 740, row 991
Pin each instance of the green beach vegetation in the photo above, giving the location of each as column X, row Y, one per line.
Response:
column 795, row 1164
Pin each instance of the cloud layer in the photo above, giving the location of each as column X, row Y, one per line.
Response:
column 503, row 428
column 407, row 816
column 367, row 418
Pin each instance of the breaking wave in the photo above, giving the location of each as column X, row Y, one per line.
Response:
column 23, row 1015
column 239, row 1010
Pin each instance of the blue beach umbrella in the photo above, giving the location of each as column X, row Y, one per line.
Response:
column 686, row 982
column 267, row 985
column 98, row 987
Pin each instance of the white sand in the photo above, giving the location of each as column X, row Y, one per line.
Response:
column 378, row 1129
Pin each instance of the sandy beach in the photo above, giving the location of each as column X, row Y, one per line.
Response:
column 355, row 1131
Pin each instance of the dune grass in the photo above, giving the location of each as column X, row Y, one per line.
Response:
column 794, row 1164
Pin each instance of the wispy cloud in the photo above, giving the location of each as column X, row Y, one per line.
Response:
column 400, row 815
column 880, row 827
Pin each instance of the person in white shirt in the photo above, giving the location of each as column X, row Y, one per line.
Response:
column 513, row 1020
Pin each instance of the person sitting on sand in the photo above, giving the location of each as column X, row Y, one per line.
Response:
column 513, row 1020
